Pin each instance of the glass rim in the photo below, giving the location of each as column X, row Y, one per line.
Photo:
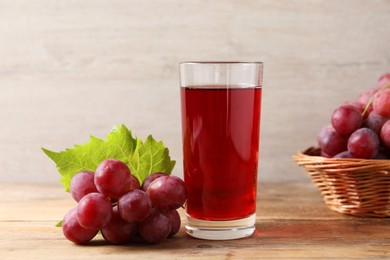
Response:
column 221, row 62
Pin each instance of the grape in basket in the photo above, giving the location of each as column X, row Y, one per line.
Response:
column 361, row 128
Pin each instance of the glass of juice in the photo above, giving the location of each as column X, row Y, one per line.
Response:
column 220, row 106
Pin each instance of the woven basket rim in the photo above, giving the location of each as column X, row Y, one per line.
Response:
column 313, row 154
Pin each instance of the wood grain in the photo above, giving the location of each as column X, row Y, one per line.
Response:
column 292, row 222
column 72, row 68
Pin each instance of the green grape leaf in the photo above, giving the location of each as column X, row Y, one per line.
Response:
column 149, row 157
column 143, row 158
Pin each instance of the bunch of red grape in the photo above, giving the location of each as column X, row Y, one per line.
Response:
column 360, row 129
column 111, row 200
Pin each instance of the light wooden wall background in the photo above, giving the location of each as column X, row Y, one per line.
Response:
column 73, row 68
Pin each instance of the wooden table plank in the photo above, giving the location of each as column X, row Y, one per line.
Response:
column 50, row 202
column 292, row 222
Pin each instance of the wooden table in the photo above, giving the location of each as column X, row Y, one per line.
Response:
column 292, row 222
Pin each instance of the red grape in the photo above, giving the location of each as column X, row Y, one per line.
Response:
column 365, row 96
column 344, row 154
column 346, row 119
column 383, row 81
column 356, row 104
column 94, row 211
column 363, row 143
column 113, row 178
column 331, row 142
column 119, row 231
column 155, row 228
column 73, row 231
column 381, row 103
column 167, row 192
column 82, row 184
column 150, row 179
column 385, row 134
column 134, row 206
column 174, row 219
column 375, row 122
column 134, row 183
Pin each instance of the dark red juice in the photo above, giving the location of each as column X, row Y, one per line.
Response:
column 220, row 145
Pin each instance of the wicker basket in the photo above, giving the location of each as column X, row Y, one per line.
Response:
column 350, row 186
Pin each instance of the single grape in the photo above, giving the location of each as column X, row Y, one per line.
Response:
column 134, row 206
column 330, row 142
column 150, row 179
column 356, row 104
column 174, row 219
column 119, row 231
column 155, row 228
column 383, row 81
column 113, row 178
column 134, row 183
column 346, row 119
column 73, row 231
column 375, row 122
column 167, row 192
column 344, row 154
column 82, row 184
column 363, row 143
column 381, row 103
column 94, row 211
column 385, row 134
column 365, row 96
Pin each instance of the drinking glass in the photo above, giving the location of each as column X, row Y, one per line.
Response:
column 220, row 107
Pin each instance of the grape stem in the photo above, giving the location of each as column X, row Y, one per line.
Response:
column 372, row 98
